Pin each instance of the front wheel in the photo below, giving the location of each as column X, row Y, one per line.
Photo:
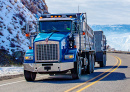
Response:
column 76, row 72
column 29, row 76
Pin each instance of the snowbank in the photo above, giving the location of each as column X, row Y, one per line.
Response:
column 8, row 71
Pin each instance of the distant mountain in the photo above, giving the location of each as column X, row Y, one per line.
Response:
column 118, row 36
column 112, row 28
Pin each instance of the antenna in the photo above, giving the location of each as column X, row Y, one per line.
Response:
column 78, row 8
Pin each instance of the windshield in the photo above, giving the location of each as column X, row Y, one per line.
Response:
column 54, row 26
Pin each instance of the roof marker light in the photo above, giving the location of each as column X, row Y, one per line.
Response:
column 55, row 16
column 70, row 16
column 51, row 16
column 59, row 16
column 40, row 18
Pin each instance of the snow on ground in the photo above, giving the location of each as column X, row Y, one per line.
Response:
column 8, row 71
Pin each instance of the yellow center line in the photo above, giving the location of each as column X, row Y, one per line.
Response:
column 90, row 79
column 101, row 77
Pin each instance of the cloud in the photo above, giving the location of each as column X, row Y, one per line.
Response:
column 98, row 11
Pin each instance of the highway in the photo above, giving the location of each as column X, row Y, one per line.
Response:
column 115, row 77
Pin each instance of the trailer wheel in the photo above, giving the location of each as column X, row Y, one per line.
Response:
column 104, row 60
column 29, row 76
column 93, row 63
column 103, row 63
column 89, row 67
column 76, row 72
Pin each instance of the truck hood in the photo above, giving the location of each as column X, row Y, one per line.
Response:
column 55, row 36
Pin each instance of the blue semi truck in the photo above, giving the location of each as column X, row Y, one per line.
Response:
column 63, row 43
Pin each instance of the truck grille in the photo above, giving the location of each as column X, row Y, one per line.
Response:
column 47, row 52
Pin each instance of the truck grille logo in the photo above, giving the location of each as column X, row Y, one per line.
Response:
column 46, row 40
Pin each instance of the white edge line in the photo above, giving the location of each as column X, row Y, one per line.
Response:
column 11, row 83
column 17, row 82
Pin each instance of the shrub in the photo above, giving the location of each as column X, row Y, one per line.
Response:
column 20, row 15
column 15, row 1
column 9, row 30
column 21, row 22
column 1, row 34
column 12, row 44
column 14, row 18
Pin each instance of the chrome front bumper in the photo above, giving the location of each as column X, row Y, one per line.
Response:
column 48, row 67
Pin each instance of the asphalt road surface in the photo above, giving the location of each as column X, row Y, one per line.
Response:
column 115, row 77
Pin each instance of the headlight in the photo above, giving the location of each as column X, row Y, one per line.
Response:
column 28, row 57
column 69, row 56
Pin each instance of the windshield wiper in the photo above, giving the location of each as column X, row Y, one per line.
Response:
column 55, row 31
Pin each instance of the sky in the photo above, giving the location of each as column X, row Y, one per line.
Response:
column 99, row 12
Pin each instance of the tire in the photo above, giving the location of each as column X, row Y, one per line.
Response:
column 103, row 63
column 89, row 67
column 51, row 74
column 76, row 72
column 93, row 63
column 84, row 71
column 29, row 76
column 104, row 60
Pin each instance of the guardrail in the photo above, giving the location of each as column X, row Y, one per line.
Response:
column 122, row 52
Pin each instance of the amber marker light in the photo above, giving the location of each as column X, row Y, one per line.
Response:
column 27, row 35
column 59, row 16
column 26, row 57
column 55, row 16
column 71, row 56
column 40, row 18
column 70, row 16
column 51, row 16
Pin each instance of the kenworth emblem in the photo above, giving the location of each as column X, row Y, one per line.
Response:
column 46, row 40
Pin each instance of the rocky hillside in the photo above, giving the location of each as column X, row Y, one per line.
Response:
column 37, row 7
column 13, row 17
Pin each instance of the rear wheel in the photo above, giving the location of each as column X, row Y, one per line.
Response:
column 104, row 60
column 103, row 63
column 76, row 72
column 29, row 76
column 89, row 67
column 93, row 61
column 84, row 71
